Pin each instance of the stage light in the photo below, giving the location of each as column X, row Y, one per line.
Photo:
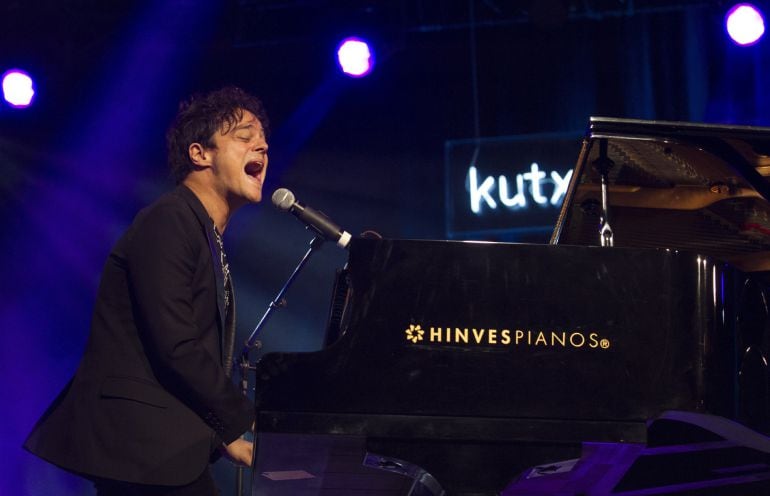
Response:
column 355, row 57
column 745, row 24
column 18, row 88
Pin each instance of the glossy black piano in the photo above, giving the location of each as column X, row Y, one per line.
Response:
column 454, row 367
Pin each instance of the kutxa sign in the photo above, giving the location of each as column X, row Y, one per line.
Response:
column 497, row 185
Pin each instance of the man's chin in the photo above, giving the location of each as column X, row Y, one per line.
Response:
column 252, row 194
column 256, row 195
column 246, row 199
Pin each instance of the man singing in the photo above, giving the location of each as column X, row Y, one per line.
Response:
column 152, row 399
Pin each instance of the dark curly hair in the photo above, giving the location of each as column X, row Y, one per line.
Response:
column 200, row 117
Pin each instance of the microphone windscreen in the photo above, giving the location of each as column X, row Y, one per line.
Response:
column 283, row 199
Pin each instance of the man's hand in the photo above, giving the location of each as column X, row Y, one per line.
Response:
column 240, row 452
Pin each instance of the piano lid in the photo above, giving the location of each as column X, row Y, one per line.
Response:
column 694, row 187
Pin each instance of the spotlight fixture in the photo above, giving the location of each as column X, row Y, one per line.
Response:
column 355, row 57
column 745, row 24
column 18, row 88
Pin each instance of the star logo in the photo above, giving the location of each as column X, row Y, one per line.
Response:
column 414, row 333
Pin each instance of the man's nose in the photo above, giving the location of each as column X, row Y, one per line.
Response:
column 260, row 146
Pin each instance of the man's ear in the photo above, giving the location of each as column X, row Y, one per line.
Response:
column 199, row 155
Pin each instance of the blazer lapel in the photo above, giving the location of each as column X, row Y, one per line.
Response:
column 208, row 227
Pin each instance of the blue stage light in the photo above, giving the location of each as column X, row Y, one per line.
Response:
column 18, row 88
column 745, row 24
column 355, row 57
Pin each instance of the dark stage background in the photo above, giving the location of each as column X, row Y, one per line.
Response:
column 78, row 164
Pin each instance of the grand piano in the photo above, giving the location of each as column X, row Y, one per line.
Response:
column 613, row 360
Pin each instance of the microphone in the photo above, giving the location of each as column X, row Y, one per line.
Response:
column 315, row 220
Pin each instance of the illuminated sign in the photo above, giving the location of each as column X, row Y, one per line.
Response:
column 532, row 182
column 505, row 185
column 505, row 337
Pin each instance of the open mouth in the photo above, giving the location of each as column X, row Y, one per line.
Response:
column 253, row 169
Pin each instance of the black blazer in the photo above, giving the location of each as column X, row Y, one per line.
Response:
column 150, row 400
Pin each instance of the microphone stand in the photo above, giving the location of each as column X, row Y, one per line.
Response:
column 252, row 343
